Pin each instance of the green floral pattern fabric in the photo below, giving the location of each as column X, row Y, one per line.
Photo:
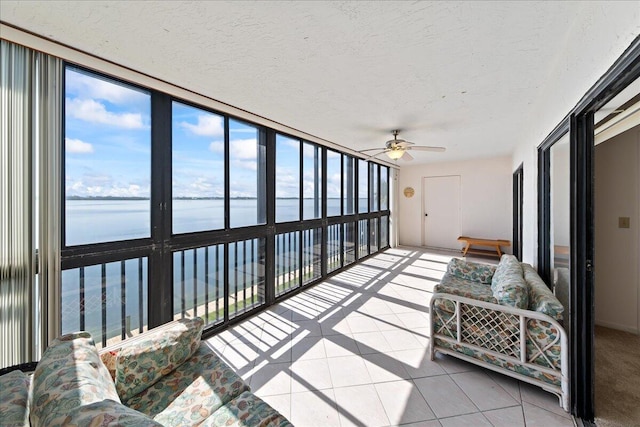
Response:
column 543, row 335
column 554, row 379
column 187, row 396
column 70, row 374
column 14, row 399
column 142, row 363
column 508, row 284
column 474, row 271
column 244, row 411
column 107, row 413
column 455, row 285
column 541, row 299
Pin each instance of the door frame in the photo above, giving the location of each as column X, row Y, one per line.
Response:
column 579, row 124
column 518, row 205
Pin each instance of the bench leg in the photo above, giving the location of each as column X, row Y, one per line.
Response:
column 499, row 251
column 466, row 248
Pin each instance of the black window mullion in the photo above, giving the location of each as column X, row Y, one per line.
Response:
column 160, row 295
column 227, row 175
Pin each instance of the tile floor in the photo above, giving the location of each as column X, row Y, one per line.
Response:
column 352, row 351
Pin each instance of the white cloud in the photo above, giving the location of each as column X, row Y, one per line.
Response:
column 102, row 185
column 332, row 154
column 77, row 146
column 92, row 111
column 244, row 149
column 208, row 125
column 217, row 147
column 244, row 164
column 98, row 88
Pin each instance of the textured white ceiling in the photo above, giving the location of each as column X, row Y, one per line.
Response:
column 475, row 77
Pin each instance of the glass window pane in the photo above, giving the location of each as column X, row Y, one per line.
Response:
column 349, row 243
column 108, row 300
column 374, row 187
column 287, row 179
column 312, row 181
column 384, row 231
column 363, row 238
column 197, row 149
column 334, row 183
column 373, row 235
column 287, row 268
column 384, row 188
column 560, row 214
column 246, row 275
column 349, row 184
column 247, row 175
column 311, row 255
column 198, row 290
column 363, row 186
column 107, row 159
column 334, row 239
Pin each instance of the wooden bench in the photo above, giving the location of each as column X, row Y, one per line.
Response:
column 475, row 241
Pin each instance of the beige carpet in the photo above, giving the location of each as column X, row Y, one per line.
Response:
column 617, row 392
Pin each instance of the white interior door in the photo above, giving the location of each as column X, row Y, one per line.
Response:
column 441, row 203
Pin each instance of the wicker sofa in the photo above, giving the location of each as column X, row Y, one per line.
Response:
column 165, row 376
column 503, row 318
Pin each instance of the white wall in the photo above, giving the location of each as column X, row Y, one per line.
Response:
column 485, row 198
column 617, row 194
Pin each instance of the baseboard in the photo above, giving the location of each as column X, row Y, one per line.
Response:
column 619, row 327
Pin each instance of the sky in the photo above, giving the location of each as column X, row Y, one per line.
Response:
column 108, row 148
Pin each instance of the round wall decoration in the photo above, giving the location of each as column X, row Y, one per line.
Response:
column 409, row 192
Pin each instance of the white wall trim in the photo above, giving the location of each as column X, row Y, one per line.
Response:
column 613, row 325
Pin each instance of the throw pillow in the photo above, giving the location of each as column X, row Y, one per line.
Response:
column 142, row 363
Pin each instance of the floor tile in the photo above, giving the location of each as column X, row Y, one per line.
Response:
column 506, row 417
column 371, row 342
column 335, row 326
column 314, row 409
column 401, row 340
column 311, row 328
column 359, row 324
column 510, row 385
column 388, row 322
column 452, row 365
column 360, row 406
column 538, row 417
column 272, row 378
column 280, row 402
column 340, row 345
column 444, row 397
column 432, row 423
column 403, row 402
column 417, row 363
column 483, row 391
column 348, row 371
column 542, row 399
column 476, row 420
column 308, row 375
column 383, row 367
column 307, row 348
column 414, row 319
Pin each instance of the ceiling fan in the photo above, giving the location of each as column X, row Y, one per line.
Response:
column 398, row 148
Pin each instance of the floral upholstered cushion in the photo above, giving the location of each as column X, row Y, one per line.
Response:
column 142, row 363
column 107, row 413
column 246, row 410
column 70, row 374
column 14, row 399
column 543, row 344
column 190, row 394
column 109, row 360
column 541, row 298
column 508, row 284
column 474, row 271
column 455, row 285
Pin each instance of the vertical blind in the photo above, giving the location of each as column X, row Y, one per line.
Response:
column 30, row 103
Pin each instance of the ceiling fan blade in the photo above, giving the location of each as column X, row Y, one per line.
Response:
column 404, row 144
column 406, row 157
column 372, row 149
column 425, row 148
column 373, row 156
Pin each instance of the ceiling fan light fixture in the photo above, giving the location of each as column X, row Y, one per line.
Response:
column 395, row 154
